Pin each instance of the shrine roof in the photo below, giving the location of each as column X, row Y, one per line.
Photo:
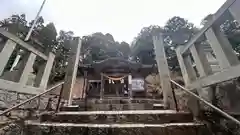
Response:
column 116, row 64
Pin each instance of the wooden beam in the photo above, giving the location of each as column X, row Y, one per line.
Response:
column 23, row 44
column 216, row 16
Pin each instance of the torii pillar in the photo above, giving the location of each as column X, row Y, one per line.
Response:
column 163, row 71
column 71, row 71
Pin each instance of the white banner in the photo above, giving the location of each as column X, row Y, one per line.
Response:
column 137, row 84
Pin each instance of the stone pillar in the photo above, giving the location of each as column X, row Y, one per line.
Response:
column 71, row 71
column 6, row 54
column 189, row 75
column 163, row 71
column 44, row 72
column 204, row 69
column 235, row 11
column 221, row 47
column 102, row 87
column 27, row 69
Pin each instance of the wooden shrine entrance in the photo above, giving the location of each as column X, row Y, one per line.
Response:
column 113, row 77
column 115, row 86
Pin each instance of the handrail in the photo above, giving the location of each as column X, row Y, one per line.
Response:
column 32, row 98
column 209, row 104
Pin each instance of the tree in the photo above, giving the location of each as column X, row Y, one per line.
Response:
column 43, row 36
column 179, row 31
column 231, row 29
column 62, row 53
column 124, row 48
column 142, row 49
column 109, row 37
column 93, row 47
column 39, row 24
column 97, row 46
column 16, row 24
column 48, row 36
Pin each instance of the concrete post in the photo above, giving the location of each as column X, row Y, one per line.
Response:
column 43, row 74
column 221, row 47
column 235, row 11
column 27, row 69
column 71, row 71
column 6, row 54
column 163, row 71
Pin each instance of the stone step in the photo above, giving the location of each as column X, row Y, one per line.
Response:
column 131, row 116
column 158, row 106
column 121, row 100
column 72, row 108
column 119, row 129
column 109, row 107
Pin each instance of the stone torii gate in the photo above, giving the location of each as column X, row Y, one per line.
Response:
column 18, row 81
column 225, row 56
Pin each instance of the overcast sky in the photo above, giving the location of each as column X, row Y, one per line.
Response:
column 122, row 18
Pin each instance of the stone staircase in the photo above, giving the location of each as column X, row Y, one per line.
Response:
column 116, row 117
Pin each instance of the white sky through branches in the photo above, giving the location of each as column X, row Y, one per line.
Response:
column 121, row 18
